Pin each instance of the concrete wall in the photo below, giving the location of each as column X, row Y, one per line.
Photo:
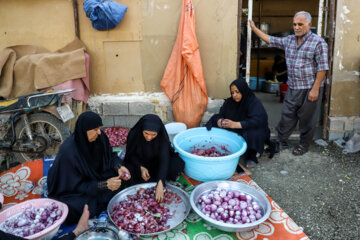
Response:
column 345, row 90
column 131, row 57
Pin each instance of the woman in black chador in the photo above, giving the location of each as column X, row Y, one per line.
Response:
column 86, row 170
column 244, row 114
column 150, row 156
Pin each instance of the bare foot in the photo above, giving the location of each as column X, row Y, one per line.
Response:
column 83, row 222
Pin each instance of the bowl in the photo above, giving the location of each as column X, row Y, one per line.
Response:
column 98, row 233
column 258, row 196
column 217, row 168
column 174, row 128
column 180, row 210
column 45, row 234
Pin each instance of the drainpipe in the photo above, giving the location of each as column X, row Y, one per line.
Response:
column 320, row 17
column 248, row 48
column 239, row 38
column 329, row 73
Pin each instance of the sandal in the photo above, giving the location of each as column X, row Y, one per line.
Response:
column 250, row 163
column 300, row 150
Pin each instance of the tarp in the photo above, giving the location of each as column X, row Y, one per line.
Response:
column 24, row 69
column 183, row 81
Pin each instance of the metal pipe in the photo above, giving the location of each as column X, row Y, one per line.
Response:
column 258, row 49
column 239, row 38
column 320, row 17
column 329, row 72
column 248, row 47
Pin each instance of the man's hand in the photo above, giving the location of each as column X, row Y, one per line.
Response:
column 252, row 24
column 159, row 192
column 145, row 174
column 124, row 173
column 313, row 95
column 113, row 183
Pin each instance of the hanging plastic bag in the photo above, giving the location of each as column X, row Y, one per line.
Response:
column 104, row 15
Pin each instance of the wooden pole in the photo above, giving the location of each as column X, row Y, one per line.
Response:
column 76, row 18
column 329, row 72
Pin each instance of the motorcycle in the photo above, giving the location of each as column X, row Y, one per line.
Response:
column 33, row 126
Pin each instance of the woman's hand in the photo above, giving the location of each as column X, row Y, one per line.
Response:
column 159, row 192
column 124, row 173
column 219, row 122
column 145, row 174
column 114, row 183
column 227, row 123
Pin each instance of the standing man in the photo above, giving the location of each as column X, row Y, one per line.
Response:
column 307, row 63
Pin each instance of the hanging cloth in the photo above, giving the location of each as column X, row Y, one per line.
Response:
column 183, row 81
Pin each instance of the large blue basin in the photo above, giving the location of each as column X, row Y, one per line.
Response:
column 209, row 168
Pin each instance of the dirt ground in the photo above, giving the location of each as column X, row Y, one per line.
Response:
column 319, row 190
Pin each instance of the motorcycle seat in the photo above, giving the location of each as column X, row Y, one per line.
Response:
column 6, row 103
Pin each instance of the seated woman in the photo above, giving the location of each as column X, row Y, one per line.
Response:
column 86, row 170
column 244, row 114
column 150, row 156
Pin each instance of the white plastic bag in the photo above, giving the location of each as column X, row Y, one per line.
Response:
column 353, row 145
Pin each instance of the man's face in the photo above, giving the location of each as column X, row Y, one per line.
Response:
column 300, row 25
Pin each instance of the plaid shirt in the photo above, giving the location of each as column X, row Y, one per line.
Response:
column 303, row 61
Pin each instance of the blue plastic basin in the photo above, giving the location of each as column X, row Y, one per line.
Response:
column 209, row 168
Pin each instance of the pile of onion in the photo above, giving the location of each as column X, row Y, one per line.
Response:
column 230, row 206
column 208, row 152
column 117, row 136
column 140, row 213
column 32, row 220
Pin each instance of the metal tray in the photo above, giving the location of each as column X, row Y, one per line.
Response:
column 181, row 209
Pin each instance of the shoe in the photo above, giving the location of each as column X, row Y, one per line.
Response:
column 283, row 145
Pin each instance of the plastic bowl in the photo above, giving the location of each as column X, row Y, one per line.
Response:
column 209, row 168
column 45, row 234
column 174, row 128
column 207, row 187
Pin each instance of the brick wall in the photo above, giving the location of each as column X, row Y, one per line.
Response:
column 340, row 127
column 125, row 110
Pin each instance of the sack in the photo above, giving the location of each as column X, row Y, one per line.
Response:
column 104, row 15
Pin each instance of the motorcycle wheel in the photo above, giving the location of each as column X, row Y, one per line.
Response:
column 44, row 125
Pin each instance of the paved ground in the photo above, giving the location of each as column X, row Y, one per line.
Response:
column 319, row 190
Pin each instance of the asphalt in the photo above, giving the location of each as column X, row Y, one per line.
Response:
column 319, row 190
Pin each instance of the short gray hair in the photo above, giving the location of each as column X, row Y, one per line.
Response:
column 307, row 15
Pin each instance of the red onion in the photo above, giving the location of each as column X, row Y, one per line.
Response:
column 209, row 152
column 235, row 207
column 32, row 220
column 117, row 136
column 140, row 213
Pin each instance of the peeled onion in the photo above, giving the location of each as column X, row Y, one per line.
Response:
column 235, row 207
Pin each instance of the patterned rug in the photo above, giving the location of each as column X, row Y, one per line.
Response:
column 28, row 181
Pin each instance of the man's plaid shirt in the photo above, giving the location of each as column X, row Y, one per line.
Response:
column 303, row 61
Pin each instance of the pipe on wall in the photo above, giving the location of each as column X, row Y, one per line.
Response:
column 248, row 47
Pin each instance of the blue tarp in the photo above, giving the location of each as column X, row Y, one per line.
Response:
column 104, row 15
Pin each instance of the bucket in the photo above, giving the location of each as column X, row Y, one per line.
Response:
column 174, row 128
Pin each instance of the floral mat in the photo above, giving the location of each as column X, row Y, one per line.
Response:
column 28, row 181
column 279, row 226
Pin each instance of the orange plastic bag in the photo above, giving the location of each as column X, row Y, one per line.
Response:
column 183, row 81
